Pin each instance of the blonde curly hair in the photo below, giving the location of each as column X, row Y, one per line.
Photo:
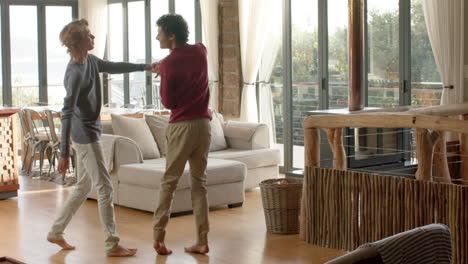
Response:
column 72, row 34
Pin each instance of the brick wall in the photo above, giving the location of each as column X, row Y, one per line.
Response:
column 230, row 74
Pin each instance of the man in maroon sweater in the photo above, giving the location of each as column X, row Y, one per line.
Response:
column 184, row 90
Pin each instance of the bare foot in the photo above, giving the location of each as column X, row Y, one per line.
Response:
column 122, row 252
column 161, row 248
column 201, row 249
column 62, row 243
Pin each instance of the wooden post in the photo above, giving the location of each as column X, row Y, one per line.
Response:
column 464, row 154
column 335, row 139
column 311, row 147
column 356, row 54
column 425, row 142
column 311, row 159
column 441, row 170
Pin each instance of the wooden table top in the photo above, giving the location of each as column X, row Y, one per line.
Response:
column 7, row 111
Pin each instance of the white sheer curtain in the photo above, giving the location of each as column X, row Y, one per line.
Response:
column 270, row 53
column 445, row 22
column 253, row 22
column 209, row 12
column 267, row 115
column 95, row 11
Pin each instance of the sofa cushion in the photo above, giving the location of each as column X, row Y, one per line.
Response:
column 158, row 126
column 256, row 158
column 150, row 173
column 218, row 142
column 137, row 130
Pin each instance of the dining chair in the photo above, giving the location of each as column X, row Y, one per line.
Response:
column 53, row 146
column 40, row 137
column 26, row 138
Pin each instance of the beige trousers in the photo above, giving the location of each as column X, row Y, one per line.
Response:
column 186, row 141
column 91, row 169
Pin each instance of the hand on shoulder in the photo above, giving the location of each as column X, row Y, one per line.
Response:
column 155, row 67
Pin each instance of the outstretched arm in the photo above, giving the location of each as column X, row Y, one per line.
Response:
column 120, row 67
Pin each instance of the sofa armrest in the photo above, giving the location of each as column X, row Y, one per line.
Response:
column 120, row 151
column 245, row 135
column 365, row 255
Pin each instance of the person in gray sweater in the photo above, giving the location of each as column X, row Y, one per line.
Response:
column 81, row 121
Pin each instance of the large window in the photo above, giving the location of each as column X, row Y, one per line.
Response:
column 33, row 60
column 135, row 41
column 57, row 58
column 399, row 64
column 24, row 57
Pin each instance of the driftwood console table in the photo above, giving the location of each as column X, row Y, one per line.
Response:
column 8, row 153
column 343, row 209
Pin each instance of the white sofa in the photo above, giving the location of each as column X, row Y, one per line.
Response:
column 247, row 161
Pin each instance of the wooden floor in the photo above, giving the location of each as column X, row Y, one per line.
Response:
column 237, row 235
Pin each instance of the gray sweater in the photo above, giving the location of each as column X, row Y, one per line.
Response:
column 82, row 104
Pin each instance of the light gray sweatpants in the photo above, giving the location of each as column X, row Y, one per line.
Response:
column 91, row 169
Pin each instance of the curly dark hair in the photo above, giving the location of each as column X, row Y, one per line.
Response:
column 174, row 24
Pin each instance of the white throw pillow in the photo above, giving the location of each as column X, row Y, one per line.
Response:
column 218, row 142
column 158, row 126
column 138, row 130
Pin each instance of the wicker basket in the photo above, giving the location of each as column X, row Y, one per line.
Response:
column 281, row 200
